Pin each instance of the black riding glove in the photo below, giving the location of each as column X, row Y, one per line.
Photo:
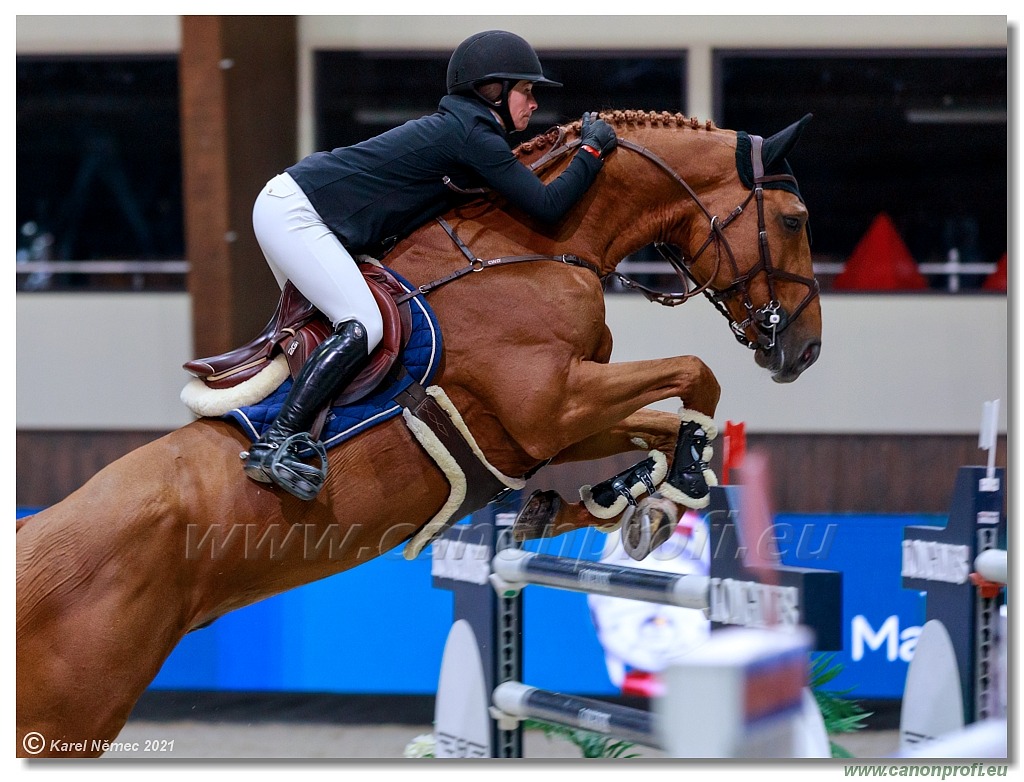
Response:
column 597, row 136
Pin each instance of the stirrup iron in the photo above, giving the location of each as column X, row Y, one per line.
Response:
column 292, row 474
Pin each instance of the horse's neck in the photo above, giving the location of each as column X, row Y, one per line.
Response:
column 633, row 204
column 636, row 201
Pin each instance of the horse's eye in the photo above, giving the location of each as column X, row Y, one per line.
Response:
column 792, row 223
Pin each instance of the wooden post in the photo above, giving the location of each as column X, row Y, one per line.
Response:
column 239, row 128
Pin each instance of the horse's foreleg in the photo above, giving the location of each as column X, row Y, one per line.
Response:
column 547, row 514
column 596, row 393
column 644, row 527
column 644, row 430
column 595, row 399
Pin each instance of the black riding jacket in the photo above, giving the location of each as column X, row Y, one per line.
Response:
column 392, row 183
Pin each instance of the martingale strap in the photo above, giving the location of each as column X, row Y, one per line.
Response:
column 481, row 485
column 478, row 264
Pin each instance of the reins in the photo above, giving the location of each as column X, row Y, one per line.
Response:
column 768, row 321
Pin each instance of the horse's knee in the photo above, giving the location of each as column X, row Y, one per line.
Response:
column 704, row 391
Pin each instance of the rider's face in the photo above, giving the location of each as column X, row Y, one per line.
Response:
column 521, row 104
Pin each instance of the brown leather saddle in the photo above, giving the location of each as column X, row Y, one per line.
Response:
column 297, row 327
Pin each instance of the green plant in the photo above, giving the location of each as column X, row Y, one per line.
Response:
column 423, row 746
column 841, row 714
column 591, row 745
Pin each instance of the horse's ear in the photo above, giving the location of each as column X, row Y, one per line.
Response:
column 777, row 147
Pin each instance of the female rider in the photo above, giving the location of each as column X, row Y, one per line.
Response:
column 311, row 219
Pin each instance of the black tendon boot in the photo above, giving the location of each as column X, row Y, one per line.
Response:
column 690, row 478
column 277, row 456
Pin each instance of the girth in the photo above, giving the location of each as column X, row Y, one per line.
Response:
column 482, row 486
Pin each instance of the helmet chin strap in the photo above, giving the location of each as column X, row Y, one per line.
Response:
column 500, row 105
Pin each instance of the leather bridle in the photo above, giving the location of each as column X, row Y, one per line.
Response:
column 770, row 319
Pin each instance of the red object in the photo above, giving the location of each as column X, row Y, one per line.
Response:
column 592, row 151
column 987, row 589
column 643, row 683
column 880, row 262
column 734, row 448
column 754, row 525
column 996, row 281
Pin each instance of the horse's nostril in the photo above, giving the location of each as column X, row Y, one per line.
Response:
column 810, row 354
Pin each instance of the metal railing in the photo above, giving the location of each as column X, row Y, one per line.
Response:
column 39, row 274
column 952, row 269
column 103, row 267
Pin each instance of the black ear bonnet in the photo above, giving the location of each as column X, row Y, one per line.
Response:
column 773, row 157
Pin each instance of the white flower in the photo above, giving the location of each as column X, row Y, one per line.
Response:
column 420, row 747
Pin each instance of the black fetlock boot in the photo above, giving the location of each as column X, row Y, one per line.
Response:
column 690, row 478
column 277, row 456
column 609, row 498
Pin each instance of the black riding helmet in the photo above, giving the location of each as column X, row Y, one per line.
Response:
column 494, row 56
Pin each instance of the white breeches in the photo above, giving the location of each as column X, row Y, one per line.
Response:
column 300, row 247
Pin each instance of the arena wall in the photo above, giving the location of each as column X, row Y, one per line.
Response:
column 97, row 374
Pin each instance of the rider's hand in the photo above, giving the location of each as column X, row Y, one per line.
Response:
column 597, row 136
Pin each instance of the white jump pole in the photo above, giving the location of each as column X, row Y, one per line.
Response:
column 519, row 701
column 516, row 568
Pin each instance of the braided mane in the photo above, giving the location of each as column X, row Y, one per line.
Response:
column 619, row 118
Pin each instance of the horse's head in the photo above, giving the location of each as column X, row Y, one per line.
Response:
column 730, row 204
column 749, row 244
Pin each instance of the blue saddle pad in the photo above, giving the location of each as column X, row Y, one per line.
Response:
column 420, row 357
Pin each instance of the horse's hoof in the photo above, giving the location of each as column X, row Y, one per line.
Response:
column 536, row 517
column 648, row 526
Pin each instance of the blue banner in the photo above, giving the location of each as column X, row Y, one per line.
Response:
column 381, row 627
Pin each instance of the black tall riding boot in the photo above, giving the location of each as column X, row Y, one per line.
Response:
column 277, row 455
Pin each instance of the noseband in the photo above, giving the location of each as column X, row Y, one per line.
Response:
column 770, row 319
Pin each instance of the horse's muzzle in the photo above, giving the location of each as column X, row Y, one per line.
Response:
column 788, row 359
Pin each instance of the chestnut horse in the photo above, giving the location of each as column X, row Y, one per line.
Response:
column 109, row 580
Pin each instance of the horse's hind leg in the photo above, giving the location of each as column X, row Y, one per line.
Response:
column 97, row 613
column 545, row 514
